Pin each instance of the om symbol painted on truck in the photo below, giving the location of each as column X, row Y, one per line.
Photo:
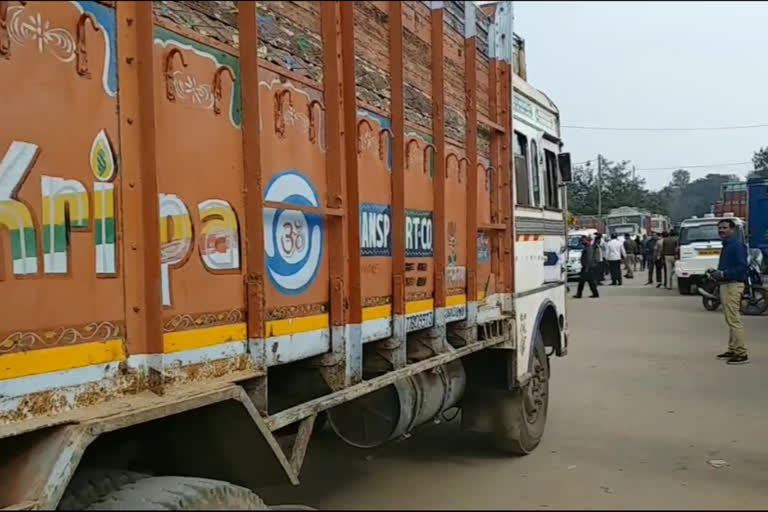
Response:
column 293, row 240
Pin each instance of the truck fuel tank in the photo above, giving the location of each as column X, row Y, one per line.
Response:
column 387, row 414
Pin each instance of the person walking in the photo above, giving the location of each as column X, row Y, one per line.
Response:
column 658, row 260
column 732, row 271
column 630, row 246
column 615, row 255
column 644, row 252
column 587, row 274
column 669, row 248
column 650, row 257
column 638, row 253
column 598, row 254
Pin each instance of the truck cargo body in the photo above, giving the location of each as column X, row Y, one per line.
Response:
column 589, row 222
column 757, row 218
column 345, row 207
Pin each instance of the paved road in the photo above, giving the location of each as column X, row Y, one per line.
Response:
column 638, row 409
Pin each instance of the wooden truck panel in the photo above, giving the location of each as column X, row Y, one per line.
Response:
column 129, row 255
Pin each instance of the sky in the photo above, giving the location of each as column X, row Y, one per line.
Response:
column 653, row 64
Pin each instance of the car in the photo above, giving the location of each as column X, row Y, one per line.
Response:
column 575, row 246
column 699, row 248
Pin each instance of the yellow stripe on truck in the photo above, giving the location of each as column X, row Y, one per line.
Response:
column 290, row 326
column 205, row 337
column 46, row 360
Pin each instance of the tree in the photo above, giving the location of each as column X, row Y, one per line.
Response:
column 680, row 179
column 582, row 191
column 619, row 187
column 680, row 199
column 760, row 162
column 695, row 198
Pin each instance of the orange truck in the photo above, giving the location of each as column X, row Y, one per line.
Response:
column 225, row 223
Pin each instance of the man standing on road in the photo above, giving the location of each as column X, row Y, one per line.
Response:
column 587, row 268
column 644, row 252
column 650, row 257
column 732, row 272
column 630, row 247
column 598, row 255
column 615, row 255
column 668, row 249
column 638, row 253
column 658, row 260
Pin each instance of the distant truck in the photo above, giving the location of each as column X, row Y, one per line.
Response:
column 757, row 213
column 733, row 199
column 589, row 222
column 627, row 220
column 757, row 217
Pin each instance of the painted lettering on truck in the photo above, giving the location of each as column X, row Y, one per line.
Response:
column 375, row 231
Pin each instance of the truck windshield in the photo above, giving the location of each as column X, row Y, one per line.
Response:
column 620, row 229
column 574, row 242
column 704, row 233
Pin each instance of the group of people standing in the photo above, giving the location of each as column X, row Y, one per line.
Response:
column 600, row 259
column 659, row 255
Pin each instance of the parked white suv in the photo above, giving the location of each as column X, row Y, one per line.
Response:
column 699, row 248
column 573, row 263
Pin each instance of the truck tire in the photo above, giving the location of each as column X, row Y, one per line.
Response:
column 684, row 285
column 522, row 414
column 90, row 485
column 179, row 493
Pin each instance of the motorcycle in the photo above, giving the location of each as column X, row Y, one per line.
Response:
column 754, row 300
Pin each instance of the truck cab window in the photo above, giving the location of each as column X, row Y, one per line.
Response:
column 535, row 178
column 521, row 170
column 550, row 180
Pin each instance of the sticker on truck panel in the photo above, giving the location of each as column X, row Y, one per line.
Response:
column 293, row 240
column 376, row 228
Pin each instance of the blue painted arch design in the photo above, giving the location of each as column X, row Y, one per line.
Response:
column 105, row 16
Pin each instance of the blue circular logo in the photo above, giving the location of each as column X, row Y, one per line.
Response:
column 293, row 240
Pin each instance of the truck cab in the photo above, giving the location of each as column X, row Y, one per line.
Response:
column 699, row 248
column 621, row 229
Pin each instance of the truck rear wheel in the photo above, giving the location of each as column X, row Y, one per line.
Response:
column 522, row 414
column 179, row 493
column 90, row 485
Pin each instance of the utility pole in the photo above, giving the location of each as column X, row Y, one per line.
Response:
column 599, row 186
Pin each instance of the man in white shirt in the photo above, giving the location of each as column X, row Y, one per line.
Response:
column 615, row 255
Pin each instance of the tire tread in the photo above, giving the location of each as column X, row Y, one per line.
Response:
column 179, row 493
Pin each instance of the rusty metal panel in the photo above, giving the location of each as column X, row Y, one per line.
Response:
column 470, row 83
column 438, row 131
column 253, row 190
column 60, row 176
column 507, row 172
column 197, row 98
column 398, row 156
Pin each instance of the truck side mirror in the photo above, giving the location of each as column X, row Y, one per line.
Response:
column 564, row 162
